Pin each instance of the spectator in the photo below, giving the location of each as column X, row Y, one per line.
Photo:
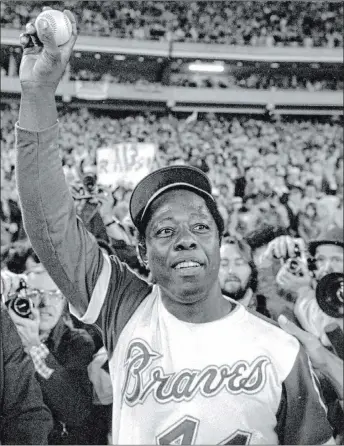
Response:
column 310, row 225
column 24, row 417
column 327, row 251
column 60, row 355
column 276, row 299
column 288, row 142
column 238, row 274
column 294, row 206
column 232, row 23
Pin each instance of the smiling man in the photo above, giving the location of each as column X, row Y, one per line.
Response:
column 176, row 377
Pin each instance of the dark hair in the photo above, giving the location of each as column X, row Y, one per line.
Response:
column 264, row 235
column 18, row 254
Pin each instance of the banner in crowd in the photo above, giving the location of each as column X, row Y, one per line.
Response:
column 124, row 163
column 92, row 91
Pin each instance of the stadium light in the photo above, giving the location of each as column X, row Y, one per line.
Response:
column 207, row 67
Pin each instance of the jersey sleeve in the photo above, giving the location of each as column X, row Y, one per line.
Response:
column 302, row 414
column 117, row 294
column 88, row 278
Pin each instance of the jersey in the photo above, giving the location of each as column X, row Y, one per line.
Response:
column 238, row 380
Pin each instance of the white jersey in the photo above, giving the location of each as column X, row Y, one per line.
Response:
column 211, row 383
column 231, row 381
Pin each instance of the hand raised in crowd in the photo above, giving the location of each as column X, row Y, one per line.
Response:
column 311, row 343
column 326, row 362
column 10, row 283
column 43, row 62
column 282, row 247
column 28, row 328
column 106, row 204
column 291, row 282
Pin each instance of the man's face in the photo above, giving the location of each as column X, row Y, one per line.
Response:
column 49, row 301
column 328, row 259
column 235, row 272
column 183, row 250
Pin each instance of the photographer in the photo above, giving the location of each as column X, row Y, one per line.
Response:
column 24, row 418
column 301, row 273
column 327, row 255
column 268, row 267
column 61, row 355
column 96, row 207
column 87, row 204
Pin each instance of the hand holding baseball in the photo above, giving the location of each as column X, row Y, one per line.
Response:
column 43, row 62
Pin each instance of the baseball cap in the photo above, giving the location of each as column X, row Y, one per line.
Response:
column 333, row 236
column 167, row 178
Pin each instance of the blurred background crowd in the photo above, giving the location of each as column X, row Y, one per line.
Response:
column 274, row 175
column 253, row 23
column 286, row 173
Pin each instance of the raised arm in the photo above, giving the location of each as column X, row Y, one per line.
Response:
column 69, row 253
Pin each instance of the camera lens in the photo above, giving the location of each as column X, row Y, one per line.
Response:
column 89, row 181
column 20, row 305
column 294, row 266
column 329, row 295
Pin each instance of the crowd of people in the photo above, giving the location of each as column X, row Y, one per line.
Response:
column 276, row 189
column 257, row 81
column 286, row 172
column 271, row 23
column 115, row 306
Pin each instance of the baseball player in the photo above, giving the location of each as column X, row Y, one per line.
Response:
column 187, row 366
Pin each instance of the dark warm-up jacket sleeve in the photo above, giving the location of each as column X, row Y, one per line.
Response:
column 25, row 418
column 68, row 391
column 68, row 251
column 302, row 415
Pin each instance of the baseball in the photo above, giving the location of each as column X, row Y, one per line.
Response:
column 59, row 23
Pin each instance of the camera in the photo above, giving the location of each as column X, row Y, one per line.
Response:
column 19, row 302
column 294, row 264
column 90, row 183
column 329, row 294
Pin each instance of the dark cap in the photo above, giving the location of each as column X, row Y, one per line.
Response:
column 331, row 237
column 167, row 178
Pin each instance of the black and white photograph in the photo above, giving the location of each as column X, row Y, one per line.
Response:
column 172, row 244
